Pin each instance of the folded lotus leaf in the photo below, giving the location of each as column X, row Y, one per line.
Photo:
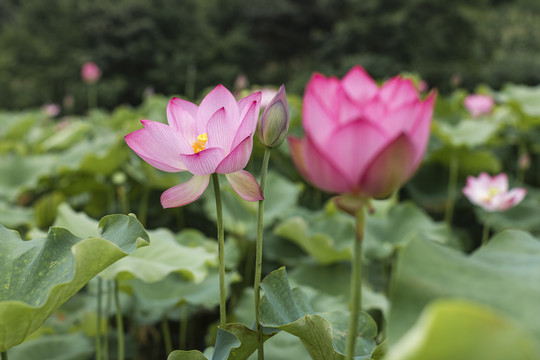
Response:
column 37, row 276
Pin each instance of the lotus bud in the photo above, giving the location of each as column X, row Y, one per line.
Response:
column 273, row 125
column 90, row 72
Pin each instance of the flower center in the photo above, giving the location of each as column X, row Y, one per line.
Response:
column 199, row 144
column 491, row 193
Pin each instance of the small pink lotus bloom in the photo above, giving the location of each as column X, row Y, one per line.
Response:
column 51, row 110
column 90, row 72
column 478, row 104
column 491, row 193
column 215, row 137
column 361, row 139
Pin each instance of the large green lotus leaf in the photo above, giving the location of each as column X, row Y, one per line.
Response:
column 78, row 223
column 102, row 154
column 327, row 288
column 503, row 275
column 18, row 173
column 175, row 289
column 526, row 97
column 37, row 276
column 152, row 263
column 328, row 235
column 240, row 216
column 323, row 334
column 234, row 342
column 458, row 329
column 164, row 256
column 68, row 135
column 524, row 216
column 74, row 346
column 468, row 132
column 17, row 125
column 470, row 162
column 13, row 216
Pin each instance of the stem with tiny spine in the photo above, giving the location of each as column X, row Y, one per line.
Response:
column 166, row 334
column 258, row 253
column 356, row 283
column 99, row 317
column 119, row 322
column 221, row 253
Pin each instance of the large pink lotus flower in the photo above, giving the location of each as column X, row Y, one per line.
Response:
column 491, row 193
column 361, row 139
column 215, row 137
column 478, row 104
column 90, row 72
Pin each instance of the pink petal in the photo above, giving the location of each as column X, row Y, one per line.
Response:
column 398, row 91
column 389, row 169
column 218, row 98
column 237, row 159
column 359, row 86
column 500, row 182
column 325, row 91
column 181, row 115
column 297, row 147
column 248, row 125
column 185, row 193
column 245, row 185
column 318, row 122
column 220, row 132
column 420, row 130
column 352, row 147
column 245, row 104
column 159, row 145
column 516, row 195
column 322, row 172
column 204, row 162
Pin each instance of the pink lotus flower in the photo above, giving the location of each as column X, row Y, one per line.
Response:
column 90, row 72
column 51, row 110
column 478, row 105
column 361, row 139
column 216, row 137
column 491, row 193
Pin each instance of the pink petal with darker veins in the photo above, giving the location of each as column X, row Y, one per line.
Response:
column 352, row 147
column 245, row 185
column 185, row 193
column 359, row 86
column 397, row 92
column 218, row 98
column 248, row 125
column 237, row 159
column 159, row 145
column 389, row 169
column 203, row 162
column 181, row 115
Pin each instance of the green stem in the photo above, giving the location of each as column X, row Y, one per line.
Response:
column 166, row 334
column 119, row 322
column 143, row 205
column 452, row 185
column 107, row 312
column 258, row 253
column 99, row 317
column 184, row 327
column 356, row 284
column 221, row 254
column 485, row 233
column 4, row 355
column 92, row 96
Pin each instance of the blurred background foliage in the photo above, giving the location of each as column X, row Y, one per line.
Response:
column 180, row 47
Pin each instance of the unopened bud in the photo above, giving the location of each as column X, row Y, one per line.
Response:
column 274, row 122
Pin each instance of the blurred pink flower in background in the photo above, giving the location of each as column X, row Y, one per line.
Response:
column 90, row 72
column 51, row 110
column 478, row 104
column 361, row 139
column 491, row 193
column 215, row 137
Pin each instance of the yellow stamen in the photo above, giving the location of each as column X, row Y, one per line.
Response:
column 199, row 144
column 491, row 193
